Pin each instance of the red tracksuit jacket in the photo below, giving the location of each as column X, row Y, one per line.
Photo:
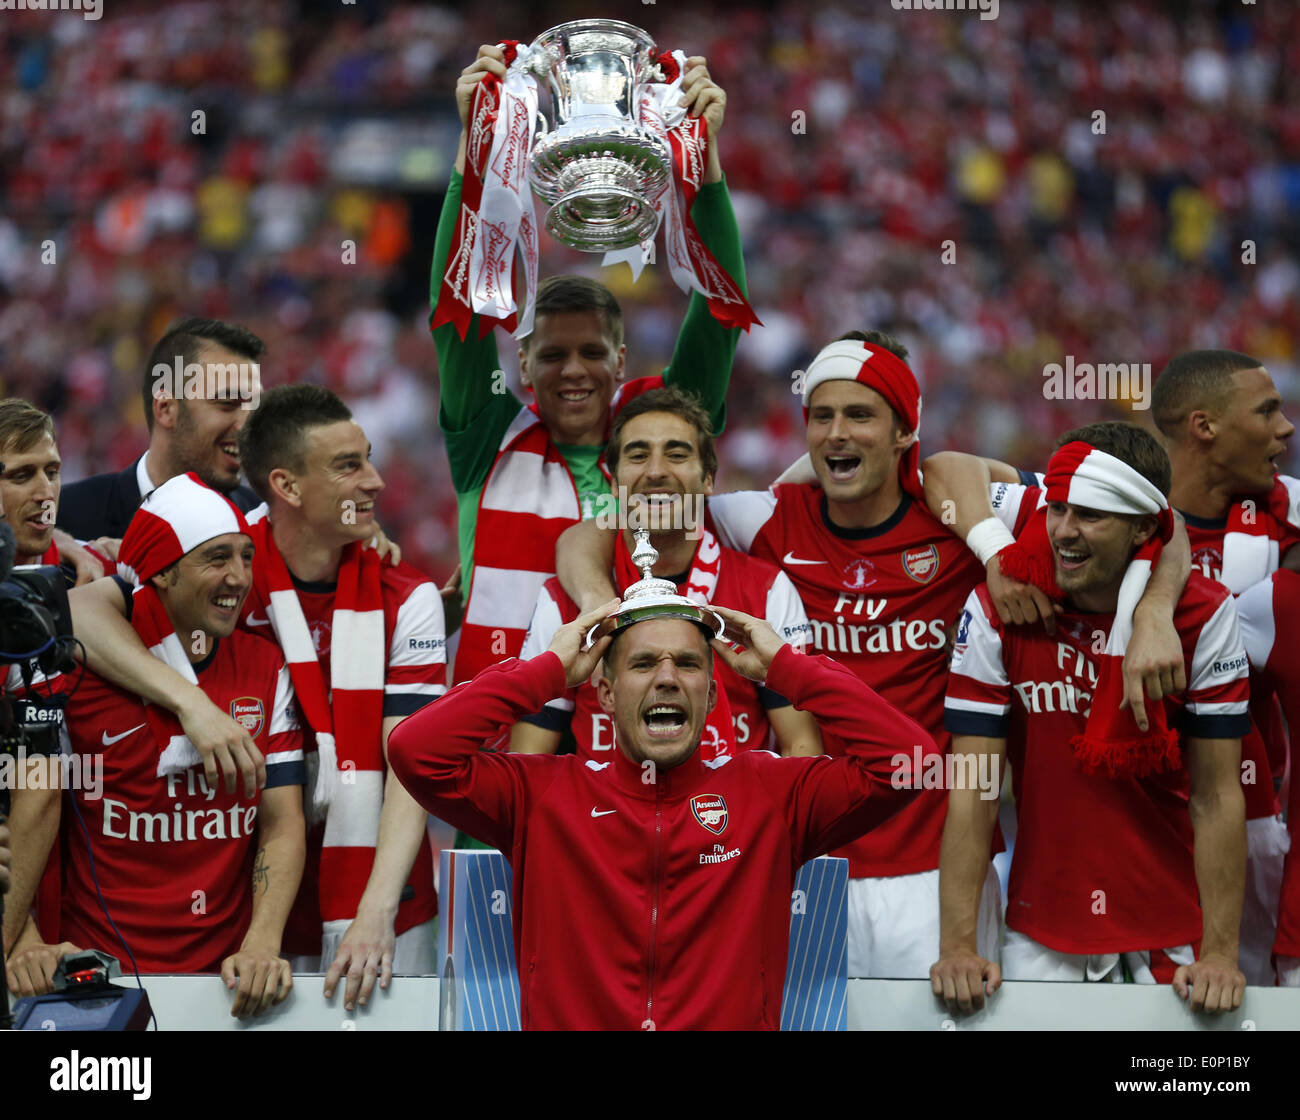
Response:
column 663, row 904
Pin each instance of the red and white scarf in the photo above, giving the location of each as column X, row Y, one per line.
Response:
column 1081, row 475
column 529, row 499
column 178, row 516
column 719, row 734
column 1255, row 529
column 498, row 219
column 347, row 717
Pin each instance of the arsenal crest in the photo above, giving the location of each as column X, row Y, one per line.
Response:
column 711, row 811
column 921, row 564
column 247, row 711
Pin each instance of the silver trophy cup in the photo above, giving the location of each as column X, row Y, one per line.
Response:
column 596, row 167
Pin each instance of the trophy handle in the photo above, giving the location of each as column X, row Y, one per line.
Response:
column 540, row 122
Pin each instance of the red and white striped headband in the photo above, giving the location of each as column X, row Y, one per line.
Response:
column 1081, row 475
column 177, row 517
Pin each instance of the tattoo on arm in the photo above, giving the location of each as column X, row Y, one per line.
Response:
column 261, row 873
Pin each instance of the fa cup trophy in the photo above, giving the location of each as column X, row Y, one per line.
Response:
column 595, row 165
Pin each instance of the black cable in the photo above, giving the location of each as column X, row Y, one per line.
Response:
column 94, row 877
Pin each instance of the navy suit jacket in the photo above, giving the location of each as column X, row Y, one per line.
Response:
column 103, row 505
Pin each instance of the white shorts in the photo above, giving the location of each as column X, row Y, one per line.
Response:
column 1288, row 972
column 1267, row 844
column 894, row 924
column 1023, row 958
column 415, row 953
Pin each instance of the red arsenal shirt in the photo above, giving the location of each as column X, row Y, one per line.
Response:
column 1266, row 743
column 1270, row 617
column 173, row 856
column 881, row 601
column 1101, row 865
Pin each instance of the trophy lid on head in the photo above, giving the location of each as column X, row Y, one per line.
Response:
column 651, row 597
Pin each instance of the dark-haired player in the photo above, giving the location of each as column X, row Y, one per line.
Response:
column 523, row 472
column 1225, row 431
column 195, row 879
column 662, row 457
column 1130, row 849
column 194, row 420
column 366, row 648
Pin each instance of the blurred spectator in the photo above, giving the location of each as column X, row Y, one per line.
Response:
column 1118, row 182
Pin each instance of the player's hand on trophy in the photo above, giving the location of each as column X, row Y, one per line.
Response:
column 490, row 60
column 569, row 640
column 701, row 95
column 761, row 643
column 963, row 978
column 1019, row 603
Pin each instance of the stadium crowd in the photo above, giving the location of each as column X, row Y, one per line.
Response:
column 917, row 208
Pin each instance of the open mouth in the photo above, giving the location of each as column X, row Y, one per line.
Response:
column 842, row 467
column 664, row 721
column 1071, row 560
column 231, row 448
column 366, row 507
column 575, row 396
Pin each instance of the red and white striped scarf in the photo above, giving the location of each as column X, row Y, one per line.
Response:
column 1255, row 529
column 1081, row 475
column 529, row 499
column 347, row 718
column 177, row 517
column 702, row 581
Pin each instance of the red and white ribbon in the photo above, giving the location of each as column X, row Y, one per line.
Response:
column 497, row 217
column 498, row 220
column 693, row 266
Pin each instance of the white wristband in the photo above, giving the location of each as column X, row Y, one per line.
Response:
column 988, row 538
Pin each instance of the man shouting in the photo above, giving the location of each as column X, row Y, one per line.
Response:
column 655, row 933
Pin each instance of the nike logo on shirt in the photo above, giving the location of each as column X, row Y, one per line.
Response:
column 108, row 740
column 253, row 620
column 603, row 812
column 791, row 558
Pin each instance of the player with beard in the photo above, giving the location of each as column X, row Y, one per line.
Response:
column 662, row 459
column 883, row 582
column 1222, row 421
column 1130, row 849
column 652, row 891
column 193, row 426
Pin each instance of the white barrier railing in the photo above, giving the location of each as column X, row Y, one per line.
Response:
column 202, row 1003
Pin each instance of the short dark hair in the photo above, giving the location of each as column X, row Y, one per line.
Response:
column 678, row 402
column 1195, row 379
column 607, row 661
column 577, row 293
column 273, row 436
column 184, row 339
column 1130, row 444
